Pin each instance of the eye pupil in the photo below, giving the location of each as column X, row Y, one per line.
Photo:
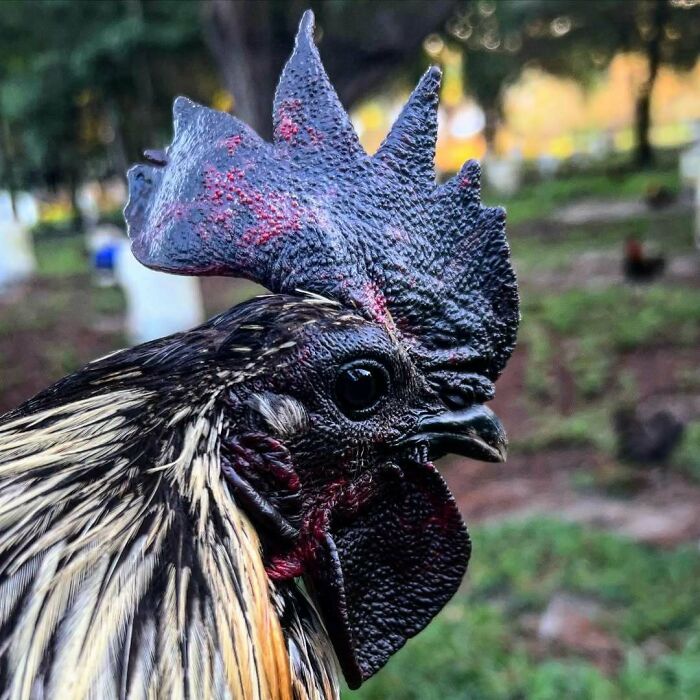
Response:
column 359, row 387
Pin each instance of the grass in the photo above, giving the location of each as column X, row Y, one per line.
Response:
column 539, row 200
column 624, row 317
column 686, row 457
column 588, row 330
column 474, row 650
column 533, row 253
column 578, row 339
column 40, row 315
column 108, row 301
column 587, row 427
column 591, row 365
column 539, row 381
column 61, row 256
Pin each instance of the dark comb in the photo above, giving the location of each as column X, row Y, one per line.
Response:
column 312, row 211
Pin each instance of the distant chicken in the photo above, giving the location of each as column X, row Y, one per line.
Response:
column 638, row 265
column 659, row 196
column 646, row 439
column 160, row 508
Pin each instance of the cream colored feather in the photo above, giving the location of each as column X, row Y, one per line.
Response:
column 120, row 579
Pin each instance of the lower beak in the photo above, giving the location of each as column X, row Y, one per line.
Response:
column 472, row 432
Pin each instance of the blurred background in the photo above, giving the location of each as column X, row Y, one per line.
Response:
column 585, row 581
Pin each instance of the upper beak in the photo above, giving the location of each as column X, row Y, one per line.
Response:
column 473, row 432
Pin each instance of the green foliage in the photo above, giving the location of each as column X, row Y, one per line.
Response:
column 540, row 199
column 687, row 455
column 554, row 680
column 587, row 358
column 530, row 562
column 623, row 318
column 591, row 365
column 109, row 301
column 612, row 479
column 540, row 359
column 47, row 309
column 533, row 254
column 71, row 70
column 114, row 217
column 583, row 335
column 568, row 37
column 56, row 229
column 576, row 339
column 474, row 648
column 61, row 257
column 587, row 427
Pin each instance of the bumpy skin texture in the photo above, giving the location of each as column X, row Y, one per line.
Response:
column 381, row 542
column 376, row 534
column 313, row 211
column 381, row 577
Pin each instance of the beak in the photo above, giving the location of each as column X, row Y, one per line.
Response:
column 473, row 432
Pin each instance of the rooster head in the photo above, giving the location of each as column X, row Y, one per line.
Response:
column 395, row 308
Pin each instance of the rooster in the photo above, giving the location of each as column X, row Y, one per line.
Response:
column 234, row 511
column 638, row 265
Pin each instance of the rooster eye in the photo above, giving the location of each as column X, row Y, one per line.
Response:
column 359, row 386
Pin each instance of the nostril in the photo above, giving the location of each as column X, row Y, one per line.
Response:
column 456, row 398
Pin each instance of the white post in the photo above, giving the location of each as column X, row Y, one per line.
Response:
column 503, row 174
column 689, row 166
column 697, row 211
column 17, row 261
column 158, row 304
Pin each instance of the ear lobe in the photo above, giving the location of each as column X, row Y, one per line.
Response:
column 381, row 579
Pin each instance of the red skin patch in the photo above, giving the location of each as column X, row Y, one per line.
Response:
column 275, row 213
column 232, row 143
column 290, row 124
column 287, row 126
column 375, row 301
column 341, row 498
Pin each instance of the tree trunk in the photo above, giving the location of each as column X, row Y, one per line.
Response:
column 7, row 152
column 363, row 44
column 492, row 119
column 644, row 153
column 73, row 183
column 240, row 37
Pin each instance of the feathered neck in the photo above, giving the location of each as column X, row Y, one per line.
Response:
column 119, row 580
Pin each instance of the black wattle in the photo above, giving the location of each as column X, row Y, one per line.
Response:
column 380, row 579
